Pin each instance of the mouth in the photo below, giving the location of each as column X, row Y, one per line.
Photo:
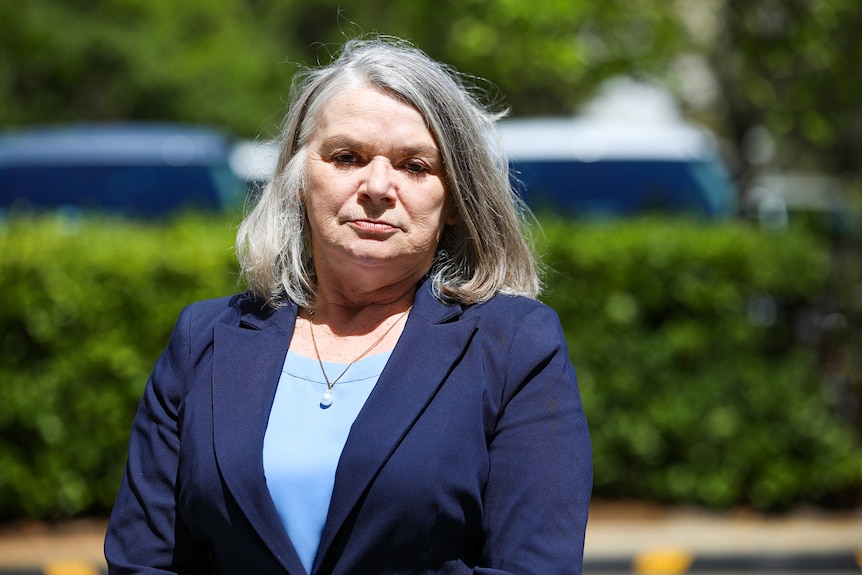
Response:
column 373, row 226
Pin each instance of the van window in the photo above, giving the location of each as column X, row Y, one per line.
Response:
column 590, row 167
column 138, row 170
column 624, row 187
column 131, row 190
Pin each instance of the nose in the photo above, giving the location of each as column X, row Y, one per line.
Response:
column 379, row 184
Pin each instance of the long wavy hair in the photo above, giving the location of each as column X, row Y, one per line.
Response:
column 486, row 252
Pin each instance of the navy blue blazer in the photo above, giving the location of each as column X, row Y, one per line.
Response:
column 471, row 455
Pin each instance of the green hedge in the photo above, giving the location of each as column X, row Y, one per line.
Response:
column 695, row 384
column 87, row 306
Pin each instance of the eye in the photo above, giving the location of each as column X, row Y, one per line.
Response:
column 345, row 158
column 415, row 167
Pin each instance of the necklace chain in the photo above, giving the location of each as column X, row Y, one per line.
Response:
column 326, row 400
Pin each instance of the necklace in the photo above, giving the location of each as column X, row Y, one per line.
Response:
column 326, row 399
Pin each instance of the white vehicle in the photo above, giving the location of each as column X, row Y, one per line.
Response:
column 588, row 166
column 139, row 170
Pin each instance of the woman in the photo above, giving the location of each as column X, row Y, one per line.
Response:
column 387, row 397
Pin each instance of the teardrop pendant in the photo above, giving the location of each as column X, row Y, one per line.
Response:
column 326, row 399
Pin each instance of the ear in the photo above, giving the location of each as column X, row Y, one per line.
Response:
column 451, row 216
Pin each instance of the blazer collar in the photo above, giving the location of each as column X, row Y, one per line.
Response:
column 247, row 361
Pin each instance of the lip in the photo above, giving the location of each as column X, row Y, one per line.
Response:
column 373, row 226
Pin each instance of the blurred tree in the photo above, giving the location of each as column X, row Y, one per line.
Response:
column 229, row 61
column 196, row 61
column 789, row 76
column 543, row 57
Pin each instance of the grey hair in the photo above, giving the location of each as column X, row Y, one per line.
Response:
column 484, row 253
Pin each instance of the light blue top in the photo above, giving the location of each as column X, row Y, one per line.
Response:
column 303, row 441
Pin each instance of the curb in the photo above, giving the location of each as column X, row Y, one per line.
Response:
column 659, row 562
column 678, row 562
column 66, row 567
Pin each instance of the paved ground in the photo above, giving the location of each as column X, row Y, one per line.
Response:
column 621, row 537
column 68, row 548
column 652, row 539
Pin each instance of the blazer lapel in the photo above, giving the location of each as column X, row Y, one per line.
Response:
column 412, row 376
column 246, row 369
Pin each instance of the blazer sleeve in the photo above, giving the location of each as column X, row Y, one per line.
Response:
column 540, row 478
column 144, row 534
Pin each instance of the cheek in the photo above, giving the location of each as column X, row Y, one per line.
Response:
column 437, row 219
column 319, row 215
column 432, row 212
column 436, row 203
column 322, row 198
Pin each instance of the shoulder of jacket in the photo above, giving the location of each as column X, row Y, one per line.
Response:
column 507, row 308
column 227, row 309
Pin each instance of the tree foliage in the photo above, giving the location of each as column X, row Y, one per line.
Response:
column 230, row 61
column 545, row 57
column 197, row 61
column 791, row 66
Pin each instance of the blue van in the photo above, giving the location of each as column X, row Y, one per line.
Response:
column 138, row 170
column 600, row 167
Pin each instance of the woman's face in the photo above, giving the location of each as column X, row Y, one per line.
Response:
column 375, row 195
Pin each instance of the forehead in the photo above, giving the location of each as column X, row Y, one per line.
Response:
column 369, row 113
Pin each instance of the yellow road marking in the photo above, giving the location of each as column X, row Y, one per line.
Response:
column 662, row 562
column 69, row 568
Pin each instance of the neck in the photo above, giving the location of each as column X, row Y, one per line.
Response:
column 355, row 285
column 351, row 301
column 347, row 314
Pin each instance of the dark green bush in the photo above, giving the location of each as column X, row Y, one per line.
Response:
column 87, row 306
column 695, row 383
